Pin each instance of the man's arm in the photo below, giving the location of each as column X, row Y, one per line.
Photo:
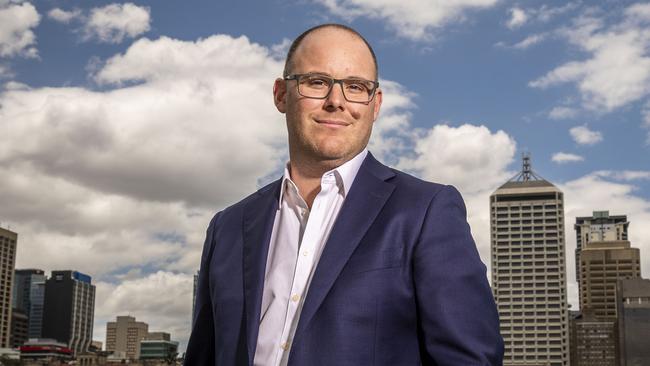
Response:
column 457, row 315
column 200, row 348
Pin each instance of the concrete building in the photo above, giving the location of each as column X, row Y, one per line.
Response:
column 601, row 226
column 45, row 352
column 69, row 309
column 528, row 269
column 28, row 297
column 8, row 241
column 19, row 323
column 633, row 309
column 123, row 337
column 602, row 264
column 593, row 341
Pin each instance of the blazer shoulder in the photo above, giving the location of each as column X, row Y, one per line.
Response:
column 407, row 182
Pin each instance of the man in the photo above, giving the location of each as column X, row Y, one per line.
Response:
column 343, row 261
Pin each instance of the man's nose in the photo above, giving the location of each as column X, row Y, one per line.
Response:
column 335, row 98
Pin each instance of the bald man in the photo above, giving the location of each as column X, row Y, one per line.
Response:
column 342, row 261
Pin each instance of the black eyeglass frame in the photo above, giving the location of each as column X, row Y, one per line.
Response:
column 297, row 77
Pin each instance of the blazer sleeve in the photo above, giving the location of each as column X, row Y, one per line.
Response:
column 458, row 320
column 200, row 348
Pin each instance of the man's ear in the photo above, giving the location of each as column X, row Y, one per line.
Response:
column 280, row 95
column 378, row 99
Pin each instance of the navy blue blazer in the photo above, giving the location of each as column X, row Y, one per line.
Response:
column 399, row 282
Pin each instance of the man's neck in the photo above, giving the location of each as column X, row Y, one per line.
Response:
column 307, row 174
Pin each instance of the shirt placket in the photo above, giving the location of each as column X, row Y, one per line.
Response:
column 307, row 250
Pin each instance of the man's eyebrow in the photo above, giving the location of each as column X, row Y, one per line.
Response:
column 346, row 77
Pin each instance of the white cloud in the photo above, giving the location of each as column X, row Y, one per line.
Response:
column 518, row 17
column 414, row 19
column 624, row 175
column 112, row 23
column 16, row 30
column 63, row 16
column 617, row 70
column 562, row 112
column 562, row 158
column 584, row 136
column 529, row 41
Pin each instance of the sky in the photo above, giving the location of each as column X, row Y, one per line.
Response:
column 124, row 126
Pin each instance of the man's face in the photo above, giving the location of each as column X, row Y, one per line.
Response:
column 330, row 130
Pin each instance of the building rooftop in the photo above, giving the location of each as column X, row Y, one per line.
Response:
column 526, row 178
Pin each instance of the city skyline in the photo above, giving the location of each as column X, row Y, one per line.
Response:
column 120, row 134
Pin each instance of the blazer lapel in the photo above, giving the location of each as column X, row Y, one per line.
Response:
column 367, row 196
column 259, row 215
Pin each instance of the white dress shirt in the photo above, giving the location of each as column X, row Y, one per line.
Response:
column 297, row 241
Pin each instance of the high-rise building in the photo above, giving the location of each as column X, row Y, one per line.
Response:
column 28, row 296
column 633, row 302
column 8, row 241
column 69, row 309
column 528, row 269
column 18, row 328
column 123, row 337
column 601, row 226
column 592, row 341
column 604, row 258
column 37, row 296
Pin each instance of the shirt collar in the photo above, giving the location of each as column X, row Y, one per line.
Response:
column 345, row 175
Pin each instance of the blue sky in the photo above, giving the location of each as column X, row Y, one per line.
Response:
column 127, row 125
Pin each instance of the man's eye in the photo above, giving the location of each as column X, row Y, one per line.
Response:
column 356, row 87
column 317, row 82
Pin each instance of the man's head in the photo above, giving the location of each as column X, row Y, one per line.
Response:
column 334, row 127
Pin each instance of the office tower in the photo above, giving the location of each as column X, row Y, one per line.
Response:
column 633, row 309
column 598, row 227
column 528, row 269
column 593, row 341
column 123, row 337
column 18, row 328
column 37, row 300
column 7, row 262
column 69, row 309
column 604, row 258
column 28, row 296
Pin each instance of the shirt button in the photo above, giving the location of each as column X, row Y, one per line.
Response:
column 285, row 346
column 304, row 253
column 295, row 298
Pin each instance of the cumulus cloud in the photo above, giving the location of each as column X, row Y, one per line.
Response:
column 17, row 22
column 584, row 136
column 562, row 112
column 415, row 19
column 63, row 16
column 529, row 41
column 517, row 18
column 115, row 22
column 562, row 158
column 617, row 69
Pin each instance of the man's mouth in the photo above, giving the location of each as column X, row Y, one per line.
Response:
column 333, row 123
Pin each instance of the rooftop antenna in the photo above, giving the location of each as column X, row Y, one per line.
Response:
column 526, row 174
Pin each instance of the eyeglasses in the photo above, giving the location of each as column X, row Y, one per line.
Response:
column 319, row 86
